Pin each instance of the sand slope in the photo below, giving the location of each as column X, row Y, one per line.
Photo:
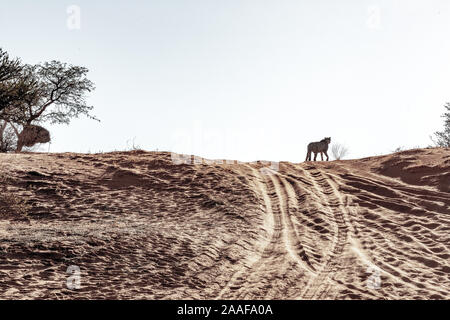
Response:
column 141, row 227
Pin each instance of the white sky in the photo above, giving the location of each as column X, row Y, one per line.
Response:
column 242, row 79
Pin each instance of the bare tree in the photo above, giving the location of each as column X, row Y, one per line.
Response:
column 57, row 97
column 52, row 92
column 339, row 151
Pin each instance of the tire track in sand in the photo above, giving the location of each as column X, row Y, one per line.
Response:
column 240, row 280
column 278, row 197
column 287, row 199
column 334, row 205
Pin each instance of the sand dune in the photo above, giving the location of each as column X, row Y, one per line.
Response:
column 141, row 227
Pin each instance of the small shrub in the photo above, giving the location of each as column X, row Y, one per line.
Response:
column 339, row 151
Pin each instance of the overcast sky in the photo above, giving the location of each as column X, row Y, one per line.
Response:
column 241, row 79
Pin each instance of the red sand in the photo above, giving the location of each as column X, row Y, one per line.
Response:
column 141, row 227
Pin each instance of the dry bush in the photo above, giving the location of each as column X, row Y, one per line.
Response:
column 8, row 138
column 339, row 151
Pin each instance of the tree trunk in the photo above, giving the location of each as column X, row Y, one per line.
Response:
column 2, row 130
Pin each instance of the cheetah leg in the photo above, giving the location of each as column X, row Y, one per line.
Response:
column 326, row 155
column 321, row 156
column 315, row 156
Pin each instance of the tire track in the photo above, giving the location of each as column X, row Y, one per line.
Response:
column 336, row 208
column 286, row 201
column 387, row 269
column 288, row 257
column 240, row 280
column 278, row 198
